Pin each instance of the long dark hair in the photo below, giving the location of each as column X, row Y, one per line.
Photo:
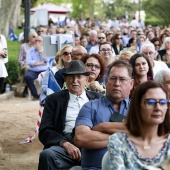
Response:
column 134, row 121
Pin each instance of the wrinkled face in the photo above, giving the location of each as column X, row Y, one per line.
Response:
column 66, row 56
column 106, row 52
column 93, row 37
column 153, row 115
column 167, row 83
column 93, row 66
column 118, row 84
column 76, row 83
column 32, row 37
column 148, row 51
column 141, row 67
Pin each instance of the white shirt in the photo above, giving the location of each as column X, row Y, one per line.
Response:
column 74, row 105
column 159, row 65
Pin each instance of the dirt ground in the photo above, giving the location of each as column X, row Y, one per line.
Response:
column 18, row 117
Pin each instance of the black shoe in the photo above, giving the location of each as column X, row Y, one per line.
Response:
column 36, row 97
column 25, row 92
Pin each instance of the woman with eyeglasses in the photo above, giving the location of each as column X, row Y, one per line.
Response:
column 94, row 64
column 147, row 141
column 117, row 43
column 142, row 70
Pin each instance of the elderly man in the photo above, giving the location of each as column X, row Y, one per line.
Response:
column 60, row 112
column 149, row 50
column 37, row 64
column 101, row 39
column 22, row 56
column 92, row 40
column 163, row 77
column 100, row 118
column 76, row 54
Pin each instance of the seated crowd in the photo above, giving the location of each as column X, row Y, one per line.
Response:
column 114, row 97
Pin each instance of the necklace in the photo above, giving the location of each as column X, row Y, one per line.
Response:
column 145, row 147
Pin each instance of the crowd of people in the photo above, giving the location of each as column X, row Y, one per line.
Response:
column 114, row 97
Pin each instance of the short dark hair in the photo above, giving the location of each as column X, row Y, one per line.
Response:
column 120, row 63
column 133, row 60
column 134, row 119
column 104, row 44
column 101, row 61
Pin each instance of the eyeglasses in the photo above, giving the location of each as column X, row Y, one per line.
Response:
column 119, row 38
column 101, row 38
column 104, row 50
column 66, row 53
column 149, row 53
column 122, row 80
column 151, row 103
column 91, row 65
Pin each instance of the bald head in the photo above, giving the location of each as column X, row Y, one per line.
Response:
column 78, row 52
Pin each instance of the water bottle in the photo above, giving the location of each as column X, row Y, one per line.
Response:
column 7, row 88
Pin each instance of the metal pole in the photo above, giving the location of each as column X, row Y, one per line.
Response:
column 139, row 10
column 27, row 19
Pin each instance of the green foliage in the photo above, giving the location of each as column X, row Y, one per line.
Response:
column 158, row 9
column 12, row 65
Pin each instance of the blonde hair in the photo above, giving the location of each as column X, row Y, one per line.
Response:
column 60, row 63
column 124, row 54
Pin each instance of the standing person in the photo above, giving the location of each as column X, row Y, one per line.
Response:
column 3, row 60
column 58, row 120
column 142, row 70
column 37, row 64
column 98, row 119
column 22, row 57
column 146, row 141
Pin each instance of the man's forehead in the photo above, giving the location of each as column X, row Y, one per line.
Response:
column 115, row 71
column 105, row 46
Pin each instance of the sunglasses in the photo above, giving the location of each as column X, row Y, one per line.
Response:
column 118, row 38
column 101, row 38
column 156, row 45
column 66, row 53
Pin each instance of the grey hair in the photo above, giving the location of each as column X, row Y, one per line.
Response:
column 160, row 75
column 93, row 32
column 165, row 41
column 146, row 45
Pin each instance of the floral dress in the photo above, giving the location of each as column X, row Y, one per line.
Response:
column 123, row 155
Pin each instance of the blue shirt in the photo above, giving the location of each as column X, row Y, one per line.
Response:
column 33, row 56
column 91, row 114
column 89, row 45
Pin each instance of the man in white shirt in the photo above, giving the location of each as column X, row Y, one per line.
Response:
column 58, row 120
column 149, row 50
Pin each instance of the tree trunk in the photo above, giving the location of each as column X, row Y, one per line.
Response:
column 9, row 10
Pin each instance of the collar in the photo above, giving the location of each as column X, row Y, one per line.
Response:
column 73, row 96
column 126, row 101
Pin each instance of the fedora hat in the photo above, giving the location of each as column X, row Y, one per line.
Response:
column 76, row 67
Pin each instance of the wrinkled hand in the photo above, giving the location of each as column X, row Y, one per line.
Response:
column 72, row 151
column 95, row 85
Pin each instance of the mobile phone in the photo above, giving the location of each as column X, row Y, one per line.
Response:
column 116, row 117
